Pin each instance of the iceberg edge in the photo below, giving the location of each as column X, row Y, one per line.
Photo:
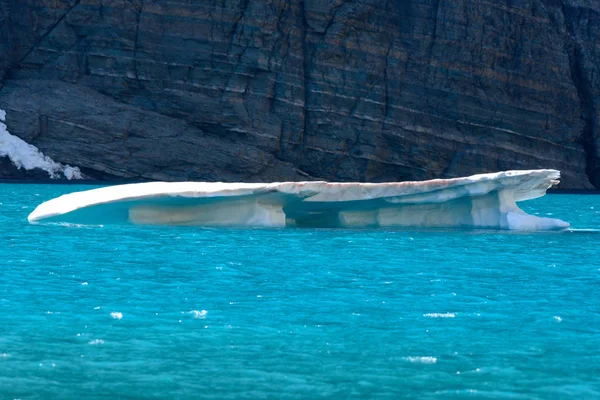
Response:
column 478, row 201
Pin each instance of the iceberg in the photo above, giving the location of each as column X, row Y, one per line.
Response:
column 479, row 201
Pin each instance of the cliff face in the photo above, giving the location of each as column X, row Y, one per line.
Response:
column 260, row 90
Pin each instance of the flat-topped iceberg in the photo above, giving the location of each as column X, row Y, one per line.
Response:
column 479, row 201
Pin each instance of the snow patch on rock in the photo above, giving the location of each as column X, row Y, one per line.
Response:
column 26, row 156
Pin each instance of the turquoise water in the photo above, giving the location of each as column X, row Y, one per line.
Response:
column 140, row 312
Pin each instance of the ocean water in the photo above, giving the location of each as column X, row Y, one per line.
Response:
column 126, row 312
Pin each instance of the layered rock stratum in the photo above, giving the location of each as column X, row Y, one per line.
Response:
column 338, row 90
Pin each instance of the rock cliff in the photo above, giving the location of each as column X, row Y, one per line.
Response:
column 263, row 90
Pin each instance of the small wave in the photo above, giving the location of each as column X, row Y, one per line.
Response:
column 116, row 315
column 96, row 342
column 440, row 315
column 557, row 318
column 198, row 314
column 74, row 225
column 421, row 360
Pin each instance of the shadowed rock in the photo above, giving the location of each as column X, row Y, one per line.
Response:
column 300, row 90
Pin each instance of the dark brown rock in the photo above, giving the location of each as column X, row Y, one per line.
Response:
column 8, row 171
column 339, row 90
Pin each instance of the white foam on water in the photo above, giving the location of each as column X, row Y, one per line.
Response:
column 557, row 318
column 440, row 315
column 421, row 360
column 116, row 315
column 198, row 314
column 96, row 342
column 27, row 156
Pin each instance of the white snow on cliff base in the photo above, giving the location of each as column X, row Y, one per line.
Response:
column 26, row 156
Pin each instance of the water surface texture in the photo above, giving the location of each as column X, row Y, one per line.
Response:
column 180, row 312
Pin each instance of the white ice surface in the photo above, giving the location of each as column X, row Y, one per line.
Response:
column 479, row 201
column 26, row 156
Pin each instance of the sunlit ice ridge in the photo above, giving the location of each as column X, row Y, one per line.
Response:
column 478, row 201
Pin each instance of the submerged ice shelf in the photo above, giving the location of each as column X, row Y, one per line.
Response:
column 479, row 201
